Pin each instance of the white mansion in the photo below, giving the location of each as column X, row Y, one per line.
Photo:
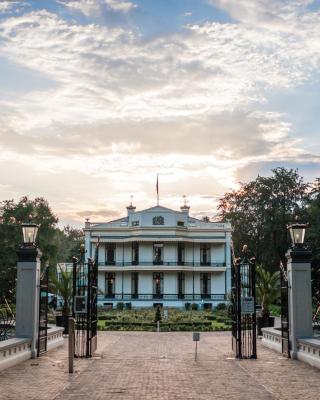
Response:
column 159, row 255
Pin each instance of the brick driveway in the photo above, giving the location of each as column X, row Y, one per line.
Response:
column 161, row 366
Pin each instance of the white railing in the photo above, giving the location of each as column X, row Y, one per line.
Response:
column 16, row 350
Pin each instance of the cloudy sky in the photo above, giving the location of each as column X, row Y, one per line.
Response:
column 98, row 96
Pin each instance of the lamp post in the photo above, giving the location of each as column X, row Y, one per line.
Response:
column 28, row 283
column 299, row 286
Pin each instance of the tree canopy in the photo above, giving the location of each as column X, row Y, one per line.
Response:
column 57, row 245
column 260, row 210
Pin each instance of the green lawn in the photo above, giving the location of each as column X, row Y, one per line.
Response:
column 178, row 320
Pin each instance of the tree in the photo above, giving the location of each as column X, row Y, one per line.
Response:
column 267, row 288
column 56, row 245
column 157, row 316
column 260, row 211
column 313, row 238
column 13, row 215
column 61, row 284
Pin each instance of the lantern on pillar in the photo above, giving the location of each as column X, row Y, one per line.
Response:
column 29, row 232
column 297, row 233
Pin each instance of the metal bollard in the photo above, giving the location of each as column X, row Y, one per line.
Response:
column 71, row 323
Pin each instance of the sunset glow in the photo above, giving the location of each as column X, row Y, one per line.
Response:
column 98, row 96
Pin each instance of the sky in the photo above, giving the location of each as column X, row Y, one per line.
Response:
column 97, row 97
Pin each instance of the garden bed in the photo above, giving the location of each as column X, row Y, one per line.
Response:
column 177, row 320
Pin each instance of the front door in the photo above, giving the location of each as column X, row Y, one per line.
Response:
column 205, row 285
column 158, row 285
column 110, row 284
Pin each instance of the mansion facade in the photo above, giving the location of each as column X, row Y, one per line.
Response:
column 161, row 256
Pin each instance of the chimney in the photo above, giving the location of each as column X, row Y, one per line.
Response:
column 87, row 223
column 185, row 209
column 131, row 209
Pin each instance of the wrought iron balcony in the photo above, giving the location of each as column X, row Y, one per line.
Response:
column 163, row 296
column 164, row 263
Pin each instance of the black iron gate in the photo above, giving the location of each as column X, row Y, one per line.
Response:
column 85, row 293
column 285, row 342
column 243, row 298
column 43, row 312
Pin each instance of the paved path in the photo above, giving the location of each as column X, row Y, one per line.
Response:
column 154, row 366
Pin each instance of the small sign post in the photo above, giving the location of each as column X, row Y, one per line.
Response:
column 247, row 306
column 80, row 304
column 196, row 338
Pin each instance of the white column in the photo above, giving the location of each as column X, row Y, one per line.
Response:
column 27, row 298
column 300, row 297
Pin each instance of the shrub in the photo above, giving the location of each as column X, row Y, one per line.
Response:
column 120, row 306
column 157, row 316
column 221, row 306
column 194, row 306
column 187, row 306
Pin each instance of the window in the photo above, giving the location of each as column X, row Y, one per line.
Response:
column 110, row 254
column 135, row 223
column 158, row 253
column 159, row 220
column 181, row 253
column 180, row 223
column 135, row 253
column 158, row 285
column 134, row 285
column 205, row 285
column 110, row 284
column 205, row 254
column 180, row 285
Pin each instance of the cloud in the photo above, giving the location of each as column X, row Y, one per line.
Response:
column 190, row 105
column 106, row 73
column 91, row 7
column 276, row 13
column 11, row 5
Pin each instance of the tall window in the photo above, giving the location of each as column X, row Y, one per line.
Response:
column 157, row 285
column 135, row 253
column 205, row 254
column 181, row 253
column 205, row 285
column 180, row 285
column 110, row 284
column 134, row 285
column 110, row 254
column 158, row 253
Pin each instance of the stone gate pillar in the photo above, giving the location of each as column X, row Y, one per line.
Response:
column 27, row 296
column 300, row 296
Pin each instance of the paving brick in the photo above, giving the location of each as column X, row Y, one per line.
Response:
column 154, row 366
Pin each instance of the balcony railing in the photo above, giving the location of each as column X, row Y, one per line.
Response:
column 164, row 296
column 165, row 263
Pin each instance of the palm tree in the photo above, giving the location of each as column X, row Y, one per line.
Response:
column 267, row 288
column 62, row 285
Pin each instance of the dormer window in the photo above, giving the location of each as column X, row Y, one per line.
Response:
column 158, row 220
column 135, row 223
column 180, row 223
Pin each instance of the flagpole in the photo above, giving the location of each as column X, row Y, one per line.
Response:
column 157, row 189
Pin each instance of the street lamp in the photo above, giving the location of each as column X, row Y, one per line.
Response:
column 297, row 233
column 29, row 232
